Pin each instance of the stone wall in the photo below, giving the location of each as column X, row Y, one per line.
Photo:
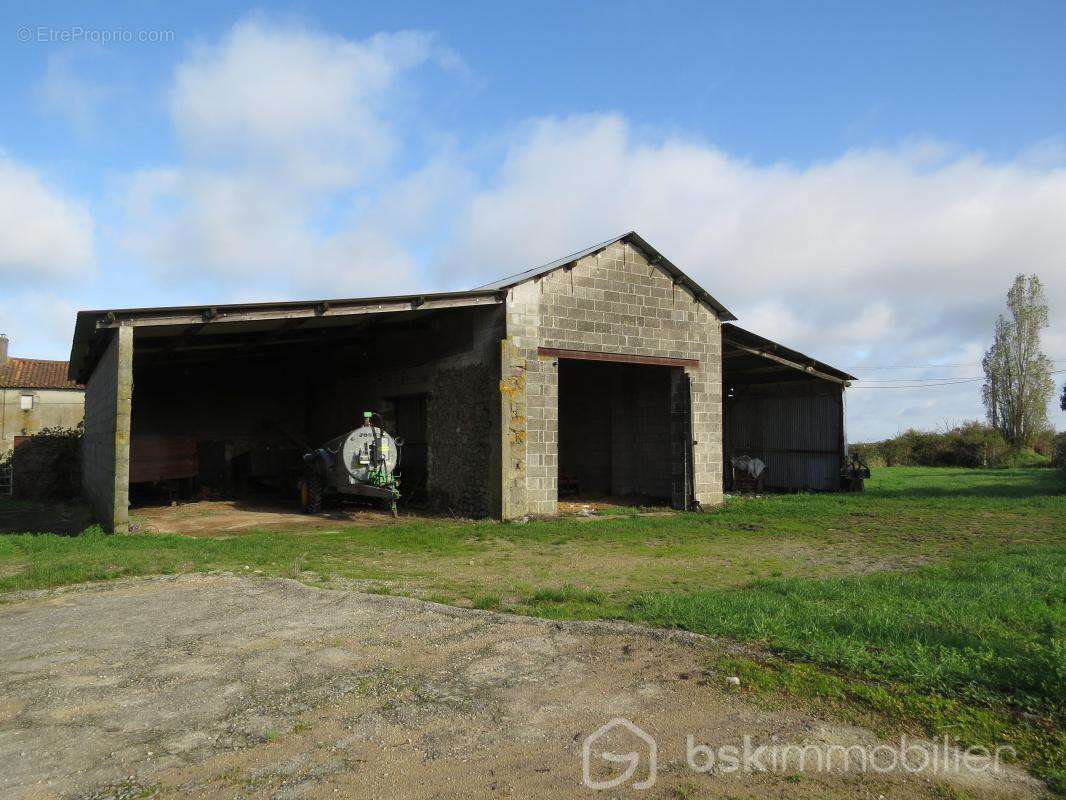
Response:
column 105, row 448
column 611, row 302
column 457, row 368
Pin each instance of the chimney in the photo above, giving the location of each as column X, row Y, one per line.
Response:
column 3, row 350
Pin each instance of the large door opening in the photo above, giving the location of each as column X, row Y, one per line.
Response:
column 409, row 412
column 226, row 411
column 616, row 432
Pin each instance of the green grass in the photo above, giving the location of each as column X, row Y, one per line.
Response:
column 935, row 601
column 990, row 627
column 974, row 649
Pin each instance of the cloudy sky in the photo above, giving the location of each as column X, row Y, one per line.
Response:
column 858, row 181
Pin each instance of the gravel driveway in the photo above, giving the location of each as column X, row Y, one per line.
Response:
column 224, row 686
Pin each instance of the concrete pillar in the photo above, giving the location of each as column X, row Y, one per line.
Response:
column 105, row 466
column 513, row 430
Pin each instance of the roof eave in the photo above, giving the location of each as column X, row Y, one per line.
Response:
column 90, row 322
column 801, row 361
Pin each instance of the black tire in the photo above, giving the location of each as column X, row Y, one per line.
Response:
column 311, row 495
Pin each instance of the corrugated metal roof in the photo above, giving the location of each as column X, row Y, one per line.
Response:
column 744, row 337
column 632, row 237
column 35, row 373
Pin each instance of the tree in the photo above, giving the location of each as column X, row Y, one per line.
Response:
column 1018, row 383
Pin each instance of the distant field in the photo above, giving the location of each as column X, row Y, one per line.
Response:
column 934, row 601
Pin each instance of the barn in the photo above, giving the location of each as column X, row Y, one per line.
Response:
column 606, row 373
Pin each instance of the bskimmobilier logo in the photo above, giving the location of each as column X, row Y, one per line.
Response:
column 616, row 731
column 621, row 752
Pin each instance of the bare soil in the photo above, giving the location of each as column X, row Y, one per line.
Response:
column 230, row 517
column 220, row 686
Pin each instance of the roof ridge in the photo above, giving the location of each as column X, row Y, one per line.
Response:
column 577, row 254
column 633, row 238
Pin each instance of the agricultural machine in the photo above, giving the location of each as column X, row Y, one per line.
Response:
column 361, row 463
column 853, row 473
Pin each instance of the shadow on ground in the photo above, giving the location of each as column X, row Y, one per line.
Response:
column 33, row 516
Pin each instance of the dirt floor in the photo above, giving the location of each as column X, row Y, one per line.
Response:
column 219, row 686
column 226, row 517
column 230, row 517
column 214, row 518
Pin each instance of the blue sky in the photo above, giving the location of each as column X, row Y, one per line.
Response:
column 860, row 180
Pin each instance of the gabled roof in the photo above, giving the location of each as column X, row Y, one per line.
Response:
column 35, row 373
column 633, row 238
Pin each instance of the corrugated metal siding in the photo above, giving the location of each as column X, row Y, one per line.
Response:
column 777, row 430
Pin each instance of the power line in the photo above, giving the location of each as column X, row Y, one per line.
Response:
column 933, row 366
column 932, row 385
column 923, row 380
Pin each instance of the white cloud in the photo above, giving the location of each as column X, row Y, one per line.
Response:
column 40, row 324
column 319, row 102
column 44, row 236
column 66, row 91
column 297, row 178
column 288, row 137
column 878, row 257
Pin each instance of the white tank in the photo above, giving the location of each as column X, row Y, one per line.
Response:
column 355, row 451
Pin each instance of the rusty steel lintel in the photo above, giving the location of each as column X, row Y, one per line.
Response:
column 623, row 358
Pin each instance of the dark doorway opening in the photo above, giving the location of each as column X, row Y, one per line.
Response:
column 615, row 431
column 226, row 411
column 409, row 412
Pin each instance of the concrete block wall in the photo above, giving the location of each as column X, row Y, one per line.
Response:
column 612, row 302
column 531, row 475
column 105, row 461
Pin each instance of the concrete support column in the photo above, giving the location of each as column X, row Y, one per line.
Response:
column 706, row 415
column 105, row 463
column 513, row 429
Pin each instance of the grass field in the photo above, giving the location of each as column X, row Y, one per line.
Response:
column 934, row 602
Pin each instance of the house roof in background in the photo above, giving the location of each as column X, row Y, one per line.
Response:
column 633, row 238
column 35, row 373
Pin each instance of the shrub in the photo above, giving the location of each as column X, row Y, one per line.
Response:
column 972, row 444
column 47, row 465
column 1058, row 450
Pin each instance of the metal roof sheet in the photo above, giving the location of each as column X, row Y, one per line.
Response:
column 744, row 337
column 88, row 322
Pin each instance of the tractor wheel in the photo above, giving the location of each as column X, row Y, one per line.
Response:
column 311, row 495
